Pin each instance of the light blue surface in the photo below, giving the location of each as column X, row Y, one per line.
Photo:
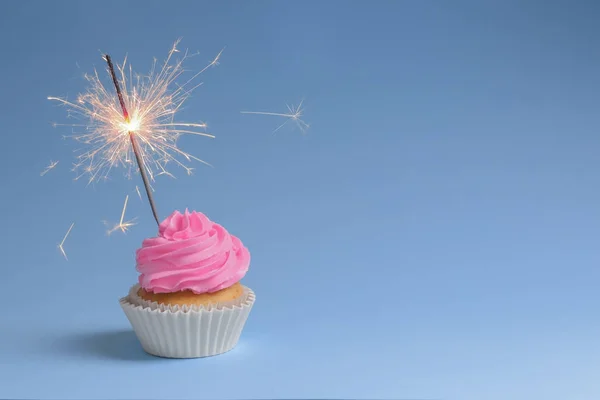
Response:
column 434, row 235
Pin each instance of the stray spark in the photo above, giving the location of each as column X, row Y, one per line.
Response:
column 49, row 167
column 123, row 226
column 294, row 114
column 152, row 102
column 60, row 246
column 137, row 189
column 167, row 174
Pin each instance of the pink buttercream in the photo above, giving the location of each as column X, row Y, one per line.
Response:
column 191, row 253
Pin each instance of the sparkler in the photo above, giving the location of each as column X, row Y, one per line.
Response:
column 138, row 122
column 131, row 127
column 294, row 115
column 49, row 167
column 60, row 246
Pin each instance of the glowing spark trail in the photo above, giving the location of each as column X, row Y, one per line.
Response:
column 122, row 226
column 60, row 246
column 137, row 189
column 294, row 115
column 49, row 167
column 138, row 122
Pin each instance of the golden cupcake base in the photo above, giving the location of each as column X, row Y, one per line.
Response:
column 189, row 298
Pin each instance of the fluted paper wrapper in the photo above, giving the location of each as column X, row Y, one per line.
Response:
column 187, row 332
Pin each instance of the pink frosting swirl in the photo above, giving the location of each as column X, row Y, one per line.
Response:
column 191, row 253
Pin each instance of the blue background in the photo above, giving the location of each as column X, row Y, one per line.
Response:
column 435, row 234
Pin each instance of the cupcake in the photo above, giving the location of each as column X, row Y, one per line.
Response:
column 189, row 301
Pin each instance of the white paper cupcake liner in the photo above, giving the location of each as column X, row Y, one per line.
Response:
column 187, row 332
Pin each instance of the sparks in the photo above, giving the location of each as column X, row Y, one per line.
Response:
column 60, row 246
column 137, row 189
column 49, row 167
column 152, row 105
column 170, row 175
column 294, row 115
column 123, row 226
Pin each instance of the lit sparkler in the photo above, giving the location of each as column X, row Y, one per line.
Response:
column 60, row 246
column 49, row 167
column 294, row 115
column 137, row 122
column 123, row 226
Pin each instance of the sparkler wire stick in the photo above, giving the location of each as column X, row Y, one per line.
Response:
column 134, row 144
